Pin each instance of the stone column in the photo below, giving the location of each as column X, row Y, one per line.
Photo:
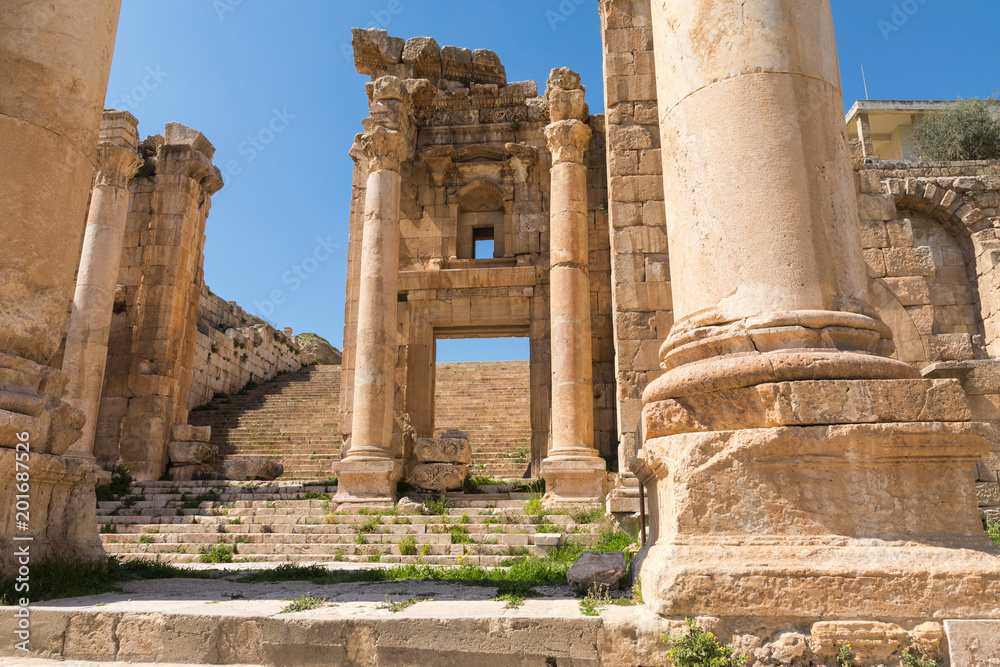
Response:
column 90, row 322
column 865, row 136
column 56, row 58
column 369, row 472
column 794, row 469
column 573, row 470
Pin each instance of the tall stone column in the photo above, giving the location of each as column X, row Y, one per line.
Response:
column 55, row 58
column 90, row 322
column 794, row 469
column 573, row 470
column 369, row 472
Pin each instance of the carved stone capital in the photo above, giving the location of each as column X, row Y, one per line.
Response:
column 115, row 165
column 384, row 148
column 568, row 139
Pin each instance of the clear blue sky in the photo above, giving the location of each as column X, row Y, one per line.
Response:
column 236, row 69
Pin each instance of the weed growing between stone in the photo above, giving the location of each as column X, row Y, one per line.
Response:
column 513, row 600
column 845, row 656
column 698, row 648
column 121, row 480
column 217, row 553
column 399, row 605
column 56, row 579
column 304, row 603
column 911, row 660
column 595, row 598
column 993, row 531
column 408, row 546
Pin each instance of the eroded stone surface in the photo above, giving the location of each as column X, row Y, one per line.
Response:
column 251, row 468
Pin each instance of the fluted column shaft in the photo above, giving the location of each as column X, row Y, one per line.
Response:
column 90, row 322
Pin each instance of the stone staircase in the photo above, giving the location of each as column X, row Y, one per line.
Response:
column 291, row 522
column 293, row 419
column 492, row 402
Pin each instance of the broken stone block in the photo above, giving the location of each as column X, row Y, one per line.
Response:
column 182, row 453
column 424, row 54
column 188, row 473
column 439, row 476
column 252, row 468
column 487, row 68
column 988, row 494
column 189, row 433
column 443, row 450
column 375, row 50
column 456, row 64
column 594, row 569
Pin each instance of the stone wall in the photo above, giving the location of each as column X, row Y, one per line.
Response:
column 640, row 269
column 931, row 237
column 153, row 332
column 234, row 348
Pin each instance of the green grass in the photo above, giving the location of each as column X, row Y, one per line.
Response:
column 399, row 605
column 595, row 598
column 460, row 535
column 408, row 546
column 513, row 600
column 121, row 480
column 56, row 579
column 304, row 603
column 370, row 526
column 533, row 508
column 438, row 506
column 146, row 539
column 592, row 515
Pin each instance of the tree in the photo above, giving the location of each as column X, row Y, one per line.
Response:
column 968, row 130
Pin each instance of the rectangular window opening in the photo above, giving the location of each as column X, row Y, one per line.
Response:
column 484, row 244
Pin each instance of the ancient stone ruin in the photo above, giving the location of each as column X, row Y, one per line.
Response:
column 754, row 337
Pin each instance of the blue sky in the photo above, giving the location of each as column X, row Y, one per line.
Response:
column 272, row 86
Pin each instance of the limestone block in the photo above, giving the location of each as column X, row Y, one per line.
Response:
column 252, row 468
column 875, row 261
column 900, row 233
column 424, row 54
column 548, row 539
column 870, row 641
column 911, row 291
column 443, row 450
column 375, row 50
column 592, row 568
column 439, row 476
column 909, row 261
column 487, row 68
column 182, row 453
column 873, row 234
column 631, row 138
column 973, row 642
column 186, row 432
column 876, row 207
column 456, row 63
column 949, row 347
column 186, row 473
column 988, row 493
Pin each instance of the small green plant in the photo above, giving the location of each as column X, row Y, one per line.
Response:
column 234, row 522
column 108, row 528
column 267, row 528
column 460, row 535
column 370, row 526
column 338, row 555
column 399, row 605
column 304, row 603
column 592, row 515
column 217, row 553
column 146, row 539
column 698, row 648
column 993, row 532
column 845, row 656
column 438, row 506
column 424, row 550
column 911, row 660
column 469, row 486
column 408, row 546
column 315, row 495
column 121, row 480
column 515, row 124
column 595, row 598
column 533, row 508
column 513, row 600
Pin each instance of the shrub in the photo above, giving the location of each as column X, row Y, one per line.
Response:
column 218, row 553
column 593, row 515
column 304, row 603
column 701, row 649
column 408, row 546
column 969, row 130
column 439, row 505
column 911, row 660
column 121, row 480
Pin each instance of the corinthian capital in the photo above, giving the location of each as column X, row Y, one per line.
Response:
column 115, row 165
column 568, row 139
column 384, row 148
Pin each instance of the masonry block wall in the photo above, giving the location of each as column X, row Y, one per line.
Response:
column 931, row 236
column 233, row 348
column 640, row 268
column 153, row 334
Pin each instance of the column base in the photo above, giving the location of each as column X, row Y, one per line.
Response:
column 31, row 401
column 367, row 483
column 573, row 483
column 861, row 521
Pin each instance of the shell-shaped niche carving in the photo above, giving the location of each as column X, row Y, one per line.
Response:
column 481, row 197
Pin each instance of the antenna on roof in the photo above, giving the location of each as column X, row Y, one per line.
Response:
column 863, row 78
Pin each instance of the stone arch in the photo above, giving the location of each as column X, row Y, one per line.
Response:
column 954, row 308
